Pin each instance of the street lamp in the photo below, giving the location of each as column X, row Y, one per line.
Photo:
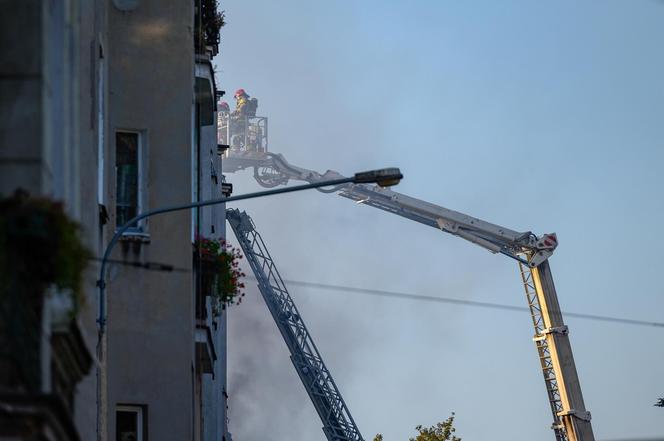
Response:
column 383, row 177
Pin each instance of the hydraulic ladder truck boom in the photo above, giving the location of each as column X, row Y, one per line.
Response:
column 338, row 424
column 571, row 420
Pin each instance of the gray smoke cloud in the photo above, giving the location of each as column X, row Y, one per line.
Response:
column 493, row 115
column 357, row 336
column 261, row 379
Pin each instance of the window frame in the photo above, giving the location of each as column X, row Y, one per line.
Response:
column 141, row 419
column 141, row 229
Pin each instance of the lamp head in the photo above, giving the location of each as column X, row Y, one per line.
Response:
column 384, row 177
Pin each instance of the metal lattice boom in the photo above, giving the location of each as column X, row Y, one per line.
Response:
column 571, row 419
column 338, row 424
column 543, row 350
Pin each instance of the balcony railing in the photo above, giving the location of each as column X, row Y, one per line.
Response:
column 242, row 133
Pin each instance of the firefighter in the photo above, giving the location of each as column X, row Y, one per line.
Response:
column 242, row 126
column 241, row 103
column 244, row 104
column 223, row 107
column 239, row 120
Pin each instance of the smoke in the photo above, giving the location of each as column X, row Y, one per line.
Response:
column 261, row 379
column 360, row 338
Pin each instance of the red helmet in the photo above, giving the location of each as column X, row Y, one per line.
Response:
column 223, row 106
column 240, row 92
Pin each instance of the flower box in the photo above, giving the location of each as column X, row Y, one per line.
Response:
column 218, row 270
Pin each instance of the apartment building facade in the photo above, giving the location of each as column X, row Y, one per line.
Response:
column 109, row 106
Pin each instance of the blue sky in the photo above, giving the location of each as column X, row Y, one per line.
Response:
column 537, row 116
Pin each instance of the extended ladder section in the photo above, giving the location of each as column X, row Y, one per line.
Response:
column 571, row 421
column 492, row 237
column 338, row 424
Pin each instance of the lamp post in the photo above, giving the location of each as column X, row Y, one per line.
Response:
column 384, row 177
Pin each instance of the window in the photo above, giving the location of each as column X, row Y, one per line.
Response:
column 131, row 423
column 205, row 101
column 129, row 177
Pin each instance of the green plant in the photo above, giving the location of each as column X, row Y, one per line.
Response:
column 208, row 25
column 443, row 431
column 221, row 261
column 40, row 246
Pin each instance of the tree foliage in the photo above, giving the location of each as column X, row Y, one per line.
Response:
column 443, row 431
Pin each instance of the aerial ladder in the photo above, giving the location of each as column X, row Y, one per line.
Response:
column 571, row 420
column 338, row 424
